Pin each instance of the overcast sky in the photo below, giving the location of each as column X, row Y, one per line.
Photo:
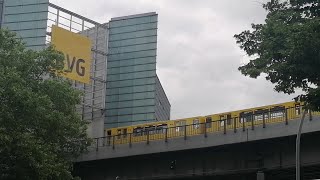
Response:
column 198, row 58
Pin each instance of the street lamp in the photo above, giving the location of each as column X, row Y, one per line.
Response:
column 298, row 145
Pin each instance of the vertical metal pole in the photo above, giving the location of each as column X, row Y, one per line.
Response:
column 130, row 140
column 166, row 135
column 286, row 115
column 113, row 142
column 205, row 130
column 243, row 126
column 235, row 124
column 298, row 146
column 97, row 144
column 224, row 126
column 263, row 120
column 147, row 136
column 185, row 132
column 252, row 122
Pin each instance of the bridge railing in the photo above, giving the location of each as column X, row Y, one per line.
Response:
column 218, row 126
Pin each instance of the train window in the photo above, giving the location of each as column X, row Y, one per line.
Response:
column 225, row 118
column 180, row 125
column 196, row 124
column 246, row 117
column 137, row 131
column 222, row 119
column 160, row 129
column 258, row 117
column 119, row 134
column 298, row 110
column 277, row 112
column 124, row 134
column 208, row 122
column 260, row 114
column 150, row 130
column 109, row 133
column 229, row 119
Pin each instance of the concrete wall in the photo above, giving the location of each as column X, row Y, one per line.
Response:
column 275, row 157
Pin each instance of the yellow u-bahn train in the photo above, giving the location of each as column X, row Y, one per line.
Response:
column 205, row 124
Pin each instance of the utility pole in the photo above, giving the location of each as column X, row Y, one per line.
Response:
column 298, row 145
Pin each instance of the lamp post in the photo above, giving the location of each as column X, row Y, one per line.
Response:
column 298, row 145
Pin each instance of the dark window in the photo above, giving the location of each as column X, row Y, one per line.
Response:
column 108, row 137
column 124, row 134
column 160, row 129
column 208, row 122
column 150, row 130
column 246, row 116
column 229, row 120
column 137, row 131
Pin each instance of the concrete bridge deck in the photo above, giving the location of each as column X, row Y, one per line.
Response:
column 274, row 130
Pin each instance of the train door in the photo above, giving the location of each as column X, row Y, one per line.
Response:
column 226, row 120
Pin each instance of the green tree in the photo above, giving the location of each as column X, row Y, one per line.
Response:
column 40, row 130
column 286, row 48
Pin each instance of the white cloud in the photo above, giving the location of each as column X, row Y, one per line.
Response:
column 197, row 54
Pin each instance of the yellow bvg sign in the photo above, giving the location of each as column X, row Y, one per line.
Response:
column 77, row 52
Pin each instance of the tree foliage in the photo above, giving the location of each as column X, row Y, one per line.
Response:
column 286, row 48
column 40, row 130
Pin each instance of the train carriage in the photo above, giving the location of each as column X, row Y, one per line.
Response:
column 204, row 124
